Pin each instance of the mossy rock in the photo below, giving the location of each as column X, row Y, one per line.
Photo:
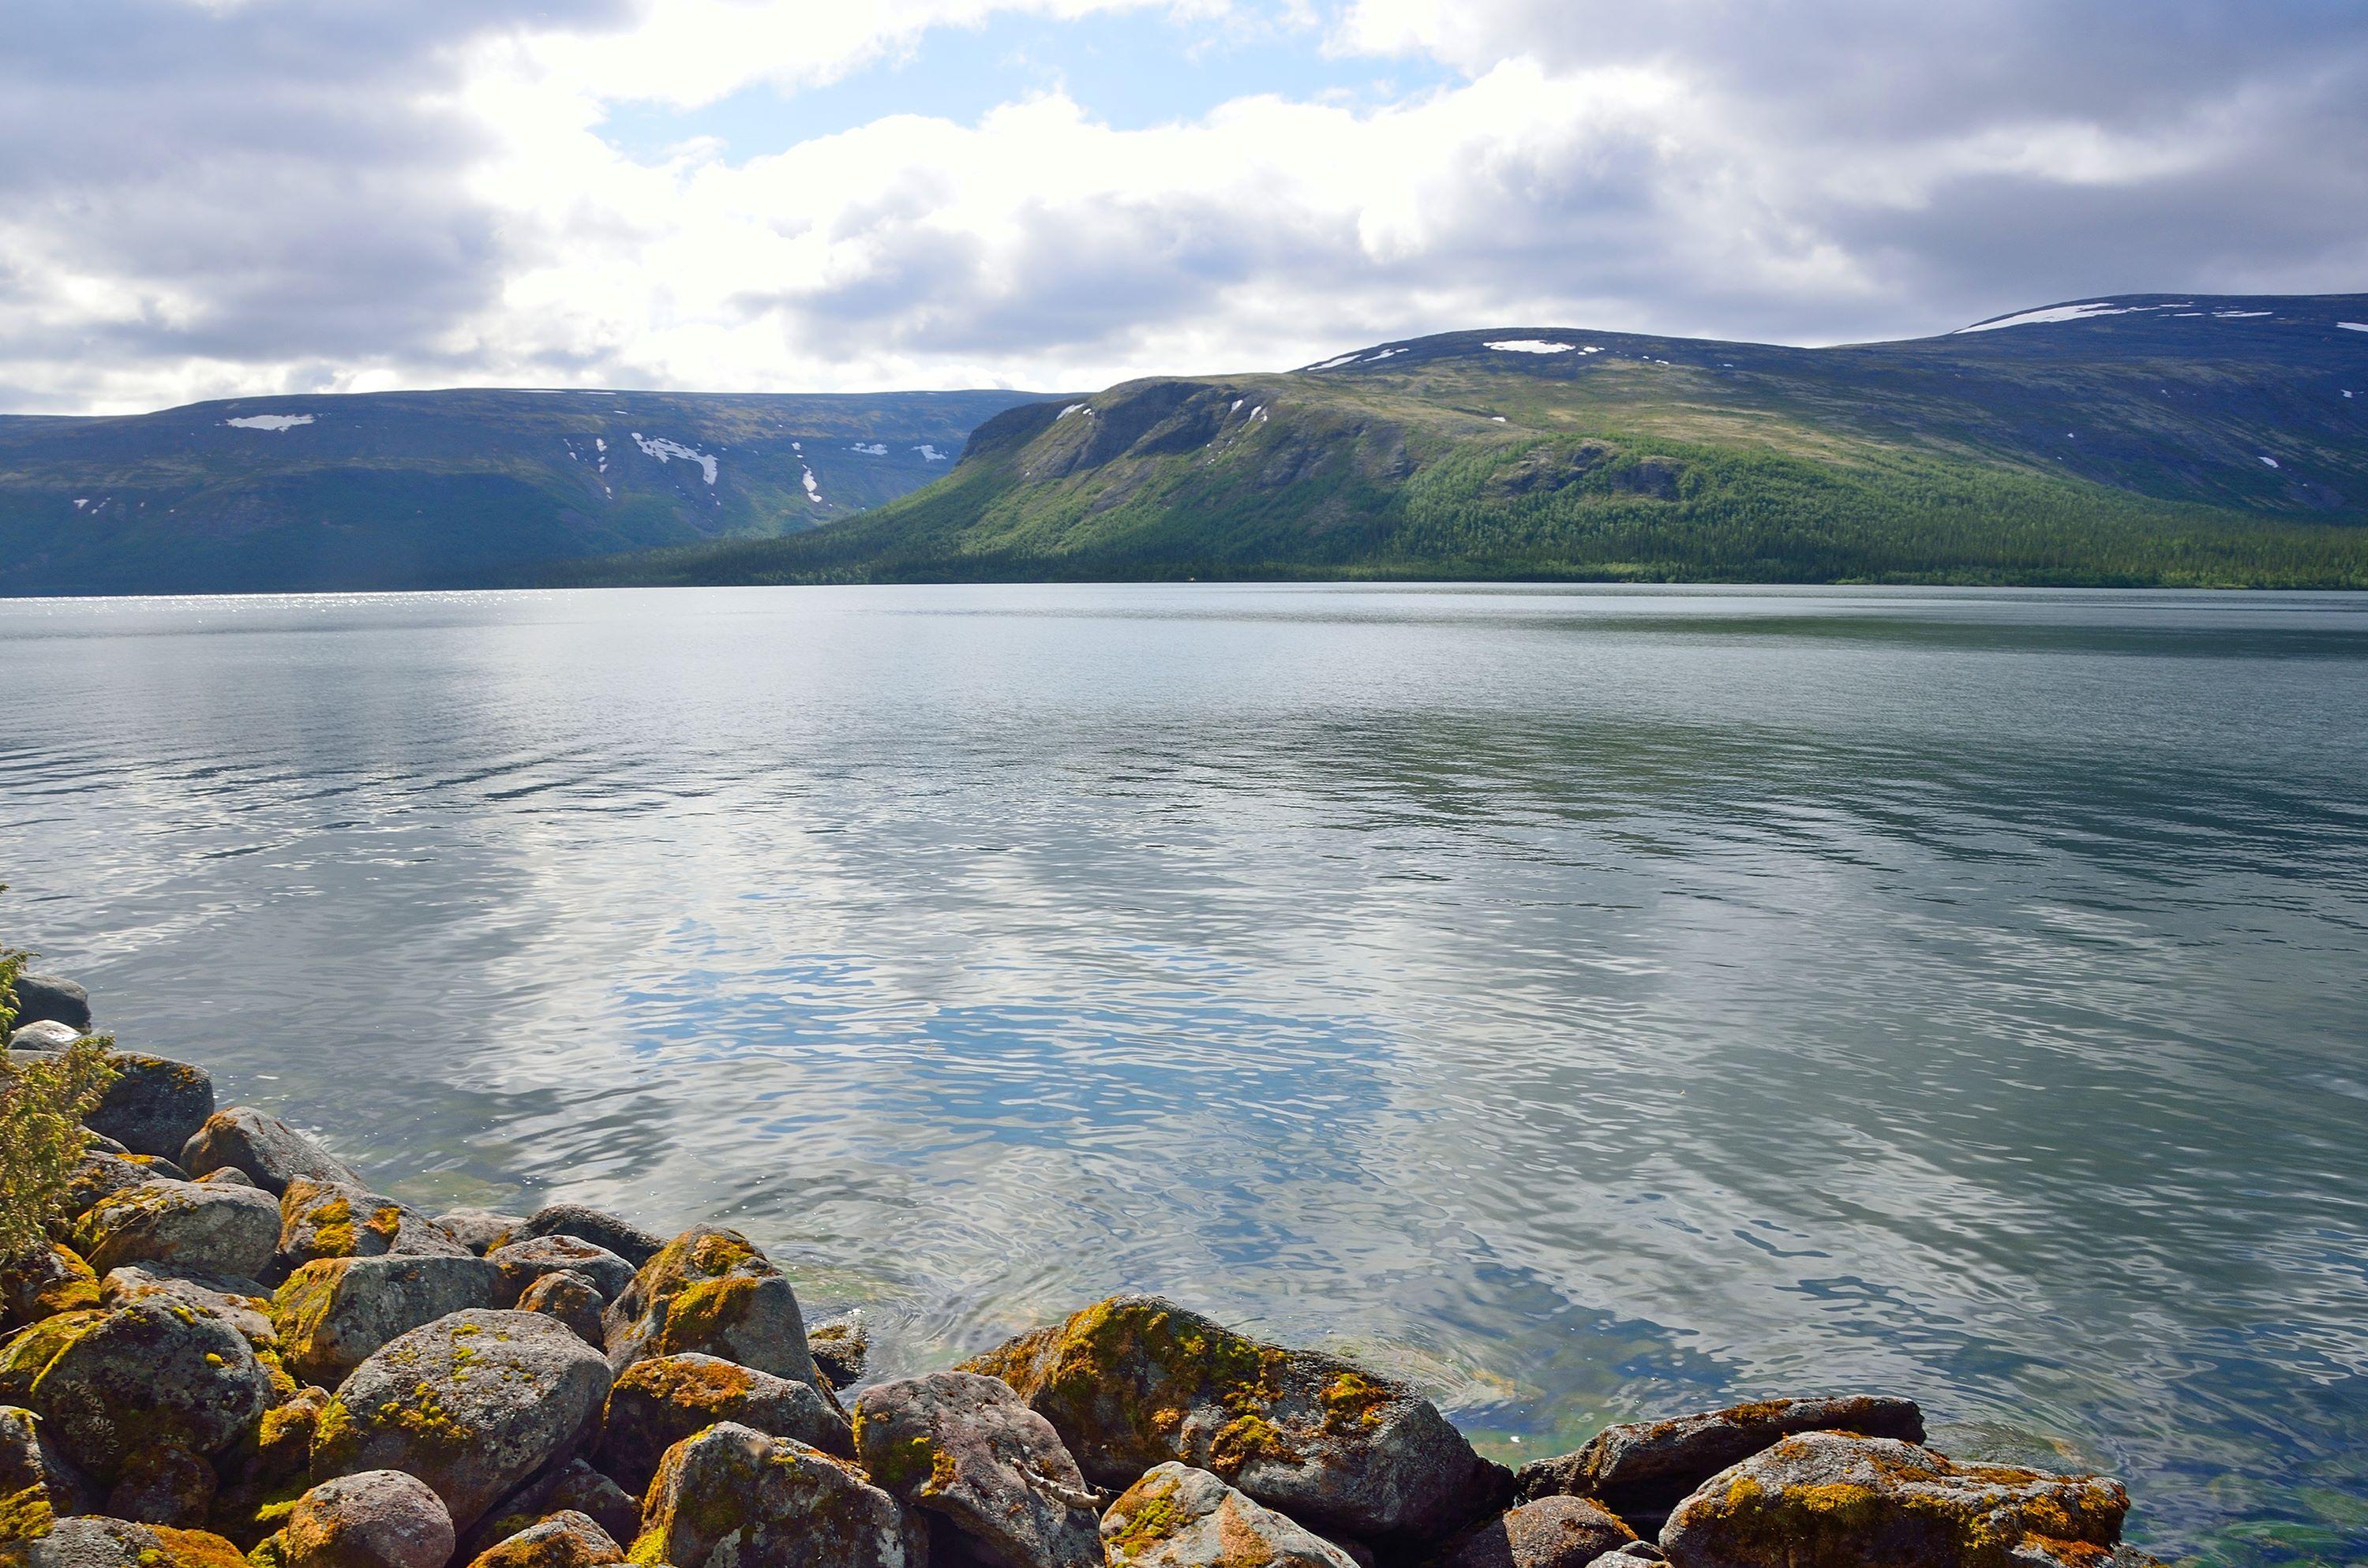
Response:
column 228, row 1230
column 522, row 1263
column 1827, row 1500
column 154, row 1104
column 245, row 1304
column 271, row 1152
column 602, row 1229
column 566, row 1540
column 334, row 1314
column 377, row 1518
column 964, row 1447
column 93, row 1542
column 330, row 1218
column 1552, row 1532
column 162, row 1484
column 473, row 1405
column 1177, row 1516
column 38, row 1484
column 732, row 1495
column 714, row 1293
column 150, row 1373
column 43, row 1283
column 1135, row 1382
column 656, row 1404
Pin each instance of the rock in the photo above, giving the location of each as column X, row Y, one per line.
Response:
column 523, row 1263
column 158, row 1167
column 244, row 1304
column 38, row 1484
column 472, row 1403
column 229, row 1175
column 1552, row 1532
column 322, row 1218
column 1641, row 1469
column 570, row 1298
column 334, row 1314
column 658, row 1402
column 263, row 1477
column 839, row 1349
column 479, row 1230
column 1135, row 1382
column 43, row 1034
column 162, row 1485
column 45, row 998
column 712, row 1291
column 109, row 1383
column 266, row 1148
column 1177, row 1516
column 586, row 1491
column 95, row 1176
column 228, row 1230
column 44, row 1283
column 154, row 1105
column 966, row 1449
column 94, row 1542
column 1628, row 1556
column 375, row 1518
column 627, row 1241
column 1826, row 1498
column 565, row 1539
column 734, row 1496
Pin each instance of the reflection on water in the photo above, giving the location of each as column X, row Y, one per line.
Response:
column 1592, row 1003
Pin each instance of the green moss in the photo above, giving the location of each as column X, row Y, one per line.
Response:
column 26, row 1515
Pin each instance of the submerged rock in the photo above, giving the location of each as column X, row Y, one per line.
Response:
column 1177, row 1516
column 602, row 1229
column 1824, row 1498
column 1136, row 1381
column 375, row 1518
column 966, row 1449
column 1641, row 1469
column 334, row 1314
column 110, row 1382
column 522, row 1263
column 48, row 999
column 154, row 1104
column 266, row 1148
column 658, row 1402
column 1552, row 1532
column 734, row 1496
column 93, row 1542
column 324, row 1219
column 472, row 1403
column 710, row 1290
column 228, row 1230
column 840, row 1347
column 565, row 1539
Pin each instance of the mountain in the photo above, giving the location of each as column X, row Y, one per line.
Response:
column 2144, row 439
column 422, row 489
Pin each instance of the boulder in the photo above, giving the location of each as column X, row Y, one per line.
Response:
column 627, row 1241
column 226, row 1230
column 375, row 1518
column 109, row 1383
column 1552, row 1532
column 93, row 1542
column 472, row 1403
column 732, row 1495
column 244, row 1304
column 840, row 1347
column 43, row 1283
column 1641, row 1469
column 712, row 1291
column 162, row 1485
column 1135, row 1382
column 96, row 1176
column 479, row 1230
column 265, row 1147
column 38, row 1484
column 1826, row 1498
column 322, row 1219
column 154, row 1102
column 1177, row 1516
column 263, row 1478
column 229, row 1175
column 565, row 1539
column 523, row 1263
column 966, row 1449
column 570, row 1298
column 46, row 998
column 44, row 1034
column 658, row 1402
column 334, row 1314
column 557, row 1488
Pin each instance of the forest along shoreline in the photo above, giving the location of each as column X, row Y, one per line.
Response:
column 224, row 1348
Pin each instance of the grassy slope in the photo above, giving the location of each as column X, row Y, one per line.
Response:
column 2119, row 452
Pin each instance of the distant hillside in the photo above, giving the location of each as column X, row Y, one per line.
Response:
column 422, row 489
column 2142, row 439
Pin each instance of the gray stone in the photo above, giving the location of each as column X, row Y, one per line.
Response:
column 47, row 998
column 93, row 1542
column 154, row 1104
column 627, row 1240
column 657, row 1403
column 107, row 1381
column 334, row 1313
column 244, row 1304
column 472, row 1403
column 1552, row 1532
column 712, row 1291
column 43, row 1283
column 226, row 1230
column 570, row 1298
column 840, row 1347
column 34, row 1476
column 229, row 1175
column 733, row 1498
column 375, row 1518
column 1829, row 1500
column 966, row 1449
column 321, row 1219
column 479, row 1230
column 265, row 1147
column 565, row 1539
column 523, row 1263
column 1178, row 1516
column 162, row 1484
column 43, row 1034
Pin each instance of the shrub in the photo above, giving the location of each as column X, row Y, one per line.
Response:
column 43, row 1097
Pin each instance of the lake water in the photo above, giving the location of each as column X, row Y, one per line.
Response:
column 1588, row 1003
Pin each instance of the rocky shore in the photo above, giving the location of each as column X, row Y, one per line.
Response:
column 235, row 1352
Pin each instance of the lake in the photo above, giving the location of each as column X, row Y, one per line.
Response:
column 1589, row 1002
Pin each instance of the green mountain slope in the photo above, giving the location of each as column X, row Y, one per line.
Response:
column 2147, row 440
column 422, row 489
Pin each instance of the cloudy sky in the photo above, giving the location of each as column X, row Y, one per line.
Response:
column 209, row 197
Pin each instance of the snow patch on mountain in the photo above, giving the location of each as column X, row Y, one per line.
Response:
column 666, row 450
column 269, row 422
column 930, row 454
column 1531, row 346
